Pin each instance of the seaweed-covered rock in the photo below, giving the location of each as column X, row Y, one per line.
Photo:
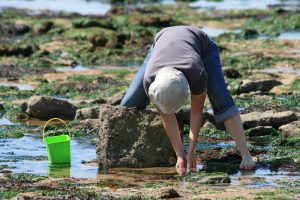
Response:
column 249, row 33
column 87, row 113
column 132, row 138
column 216, row 179
column 260, row 131
column 268, row 118
column 231, row 73
column 257, row 85
column 43, row 27
column 169, row 193
column 13, row 29
column 45, row 107
column 290, row 129
column 25, row 50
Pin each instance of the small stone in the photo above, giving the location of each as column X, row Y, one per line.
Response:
column 169, row 193
column 260, row 131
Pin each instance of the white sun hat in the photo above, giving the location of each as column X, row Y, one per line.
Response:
column 170, row 90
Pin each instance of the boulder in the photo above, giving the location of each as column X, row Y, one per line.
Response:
column 132, row 138
column 268, row 118
column 87, row 113
column 45, row 107
column 257, row 85
column 290, row 129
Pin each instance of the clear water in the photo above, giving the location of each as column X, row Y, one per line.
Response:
column 22, row 157
column 20, row 86
column 77, row 68
column 290, row 35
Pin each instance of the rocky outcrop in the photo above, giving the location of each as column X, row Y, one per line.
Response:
column 45, row 107
column 257, row 85
column 268, row 118
column 132, row 138
column 290, row 129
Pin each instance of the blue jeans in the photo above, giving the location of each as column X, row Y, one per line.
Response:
column 219, row 97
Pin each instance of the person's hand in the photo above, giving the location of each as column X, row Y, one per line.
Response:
column 191, row 161
column 181, row 165
column 247, row 163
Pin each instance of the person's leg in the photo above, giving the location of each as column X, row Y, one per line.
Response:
column 135, row 95
column 223, row 105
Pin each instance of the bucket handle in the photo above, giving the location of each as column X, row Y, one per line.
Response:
column 62, row 121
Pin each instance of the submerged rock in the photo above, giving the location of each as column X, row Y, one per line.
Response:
column 290, row 129
column 45, row 107
column 268, row 118
column 258, row 85
column 132, row 138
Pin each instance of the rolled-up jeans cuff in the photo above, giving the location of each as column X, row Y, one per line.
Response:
column 231, row 111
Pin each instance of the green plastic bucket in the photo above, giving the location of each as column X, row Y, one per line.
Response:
column 58, row 147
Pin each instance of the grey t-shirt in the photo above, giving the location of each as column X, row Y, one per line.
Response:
column 181, row 47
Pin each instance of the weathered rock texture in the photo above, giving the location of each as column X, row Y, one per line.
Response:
column 268, row 118
column 87, row 113
column 132, row 138
column 258, row 85
column 290, row 129
column 45, row 107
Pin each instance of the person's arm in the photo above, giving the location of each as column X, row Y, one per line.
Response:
column 172, row 129
column 197, row 104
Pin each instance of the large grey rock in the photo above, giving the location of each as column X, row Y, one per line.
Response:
column 45, row 107
column 132, row 138
column 290, row 129
column 258, row 85
column 267, row 118
column 87, row 113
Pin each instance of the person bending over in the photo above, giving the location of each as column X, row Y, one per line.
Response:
column 184, row 61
